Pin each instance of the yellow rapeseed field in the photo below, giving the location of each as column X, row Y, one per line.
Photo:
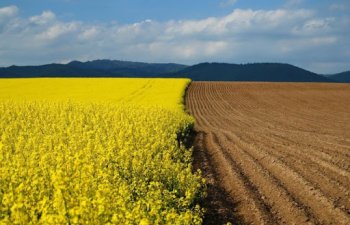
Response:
column 96, row 151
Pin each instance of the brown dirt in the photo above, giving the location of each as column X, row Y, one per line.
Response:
column 273, row 153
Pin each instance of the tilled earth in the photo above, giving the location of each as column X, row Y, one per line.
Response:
column 273, row 153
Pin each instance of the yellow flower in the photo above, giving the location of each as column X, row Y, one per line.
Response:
column 95, row 151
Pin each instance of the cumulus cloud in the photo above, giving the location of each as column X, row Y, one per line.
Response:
column 316, row 26
column 337, row 7
column 8, row 11
column 298, row 36
column 57, row 30
column 45, row 17
column 89, row 33
column 239, row 22
column 7, row 14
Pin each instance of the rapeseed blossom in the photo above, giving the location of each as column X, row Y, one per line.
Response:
column 71, row 155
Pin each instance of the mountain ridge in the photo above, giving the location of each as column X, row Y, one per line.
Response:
column 341, row 77
column 269, row 72
column 95, row 68
column 273, row 72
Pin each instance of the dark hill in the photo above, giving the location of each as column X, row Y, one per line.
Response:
column 96, row 68
column 126, row 67
column 341, row 77
column 275, row 72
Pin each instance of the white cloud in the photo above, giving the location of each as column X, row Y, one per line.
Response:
column 8, row 11
column 57, row 30
column 45, row 17
column 316, row 26
column 191, row 48
column 239, row 21
column 297, row 36
column 337, row 7
column 89, row 33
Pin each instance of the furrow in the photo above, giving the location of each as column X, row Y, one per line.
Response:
column 297, row 186
column 280, row 202
column 235, row 182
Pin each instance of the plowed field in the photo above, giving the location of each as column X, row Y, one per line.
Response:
column 273, row 153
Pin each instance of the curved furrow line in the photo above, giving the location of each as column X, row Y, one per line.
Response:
column 327, row 183
column 228, row 118
column 331, row 163
column 271, row 102
column 215, row 109
column 228, row 107
column 250, row 121
column 221, row 95
column 202, row 160
column 197, row 107
column 296, row 185
column 235, row 182
column 341, row 144
column 218, row 203
column 192, row 102
column 317, row 154
column 205, row 103
column 278, row 199
column 291, row 137
column 288, row 151
column 322, row 138
column 271, row 147
column 322, row 162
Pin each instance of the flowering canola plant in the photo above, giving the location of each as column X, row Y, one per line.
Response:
column 96, row 151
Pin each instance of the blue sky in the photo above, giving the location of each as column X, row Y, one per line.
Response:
column 311, row 34
column 130, row 11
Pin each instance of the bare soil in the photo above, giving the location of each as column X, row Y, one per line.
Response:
column 273, row 153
